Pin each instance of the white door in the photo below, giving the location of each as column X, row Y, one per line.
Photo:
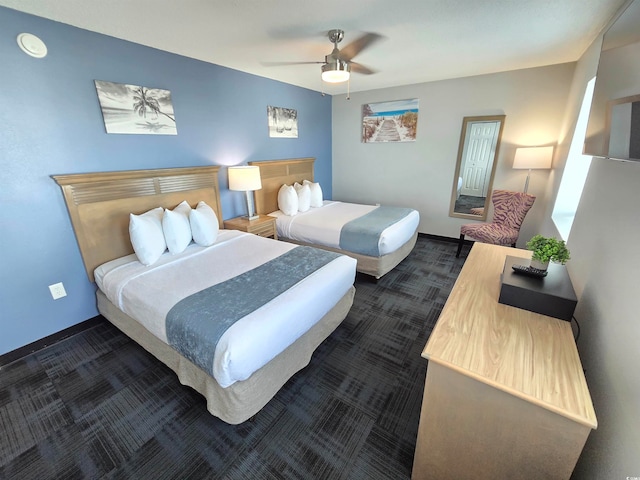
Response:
column 482, row 138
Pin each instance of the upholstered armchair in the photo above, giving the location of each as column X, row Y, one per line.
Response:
column 509, row 210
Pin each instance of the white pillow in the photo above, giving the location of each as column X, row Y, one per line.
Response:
column 316, row 193
column 176, row 228
column 288, row 200
column 146, row 235
column 304, row 196
column 204, row 224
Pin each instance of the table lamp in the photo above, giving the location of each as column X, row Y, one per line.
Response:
column 246, row 178
column 532, row 158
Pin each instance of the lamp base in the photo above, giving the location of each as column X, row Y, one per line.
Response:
column 526, row 182
column 252, row 213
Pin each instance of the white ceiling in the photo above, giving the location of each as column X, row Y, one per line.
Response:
column 424, row 40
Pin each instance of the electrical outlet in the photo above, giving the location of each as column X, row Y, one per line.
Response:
column 57, row 291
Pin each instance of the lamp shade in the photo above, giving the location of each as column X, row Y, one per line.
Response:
column 336, row 72
column 245, row 178
column 533, row 158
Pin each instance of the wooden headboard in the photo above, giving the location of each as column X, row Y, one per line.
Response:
column 274, row 174
column 99, row 204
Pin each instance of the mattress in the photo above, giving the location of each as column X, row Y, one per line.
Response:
column 322, row 225
column 147, row 293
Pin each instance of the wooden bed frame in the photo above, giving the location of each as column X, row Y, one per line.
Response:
column 99, row 205
column 275, row 173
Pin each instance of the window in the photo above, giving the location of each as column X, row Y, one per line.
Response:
column 575, row 171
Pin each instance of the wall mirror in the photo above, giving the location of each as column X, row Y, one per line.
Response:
column 476, row 166
column 613, row 130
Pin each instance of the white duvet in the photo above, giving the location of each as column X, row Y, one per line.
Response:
column 147, row 293
column 322, row 225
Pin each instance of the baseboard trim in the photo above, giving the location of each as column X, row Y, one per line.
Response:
column 18, row 353
column 443, row 239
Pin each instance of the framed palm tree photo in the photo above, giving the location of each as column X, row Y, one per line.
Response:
column 133, row 109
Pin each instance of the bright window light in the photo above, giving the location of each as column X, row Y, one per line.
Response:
column 575, row 171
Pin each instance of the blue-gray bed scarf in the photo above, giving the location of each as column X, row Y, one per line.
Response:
column 196, row 323
column 362, row 235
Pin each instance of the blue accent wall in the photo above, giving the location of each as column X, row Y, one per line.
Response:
column 51, row 123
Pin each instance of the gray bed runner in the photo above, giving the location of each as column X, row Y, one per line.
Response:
column 196, row 323
column 362, row 234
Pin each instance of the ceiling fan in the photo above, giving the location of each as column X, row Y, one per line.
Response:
column 338, row 65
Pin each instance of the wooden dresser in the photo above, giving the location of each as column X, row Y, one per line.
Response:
column 505, row 395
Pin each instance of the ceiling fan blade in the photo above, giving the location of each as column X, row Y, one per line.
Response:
column 359, row 68
column 282, row 64
column 355, row 47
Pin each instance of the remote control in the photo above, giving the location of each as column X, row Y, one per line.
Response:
column 531, row 271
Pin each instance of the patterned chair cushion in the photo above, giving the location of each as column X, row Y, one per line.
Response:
column 490, row 233
column 509, row 210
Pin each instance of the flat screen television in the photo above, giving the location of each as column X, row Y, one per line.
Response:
column 613, row 130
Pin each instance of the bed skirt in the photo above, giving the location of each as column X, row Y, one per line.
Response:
column 240, row 401
column 375, row 266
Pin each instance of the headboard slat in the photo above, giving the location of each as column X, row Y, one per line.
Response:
column 96, row 192
column 185, row 182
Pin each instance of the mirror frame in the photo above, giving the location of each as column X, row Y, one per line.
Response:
column 466, row 121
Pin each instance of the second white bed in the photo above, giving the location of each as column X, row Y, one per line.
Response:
column 322, row 225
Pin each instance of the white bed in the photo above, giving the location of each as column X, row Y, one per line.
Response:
column 147, row 293
column 321, row 226
column 247, row 371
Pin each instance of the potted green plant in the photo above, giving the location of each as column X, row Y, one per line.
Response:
column 546, row 249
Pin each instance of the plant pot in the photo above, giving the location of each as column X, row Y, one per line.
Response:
column 539, row 265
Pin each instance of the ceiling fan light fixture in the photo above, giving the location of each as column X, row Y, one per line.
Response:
column 336, row 72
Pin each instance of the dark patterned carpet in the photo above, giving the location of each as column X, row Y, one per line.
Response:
column 96, row 405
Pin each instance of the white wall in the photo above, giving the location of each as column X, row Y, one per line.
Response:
column 420, row 174
column 604, row 263
column 604, row 267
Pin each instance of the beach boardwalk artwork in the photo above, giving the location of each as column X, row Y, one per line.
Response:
column 136, row 110
column 395, row 121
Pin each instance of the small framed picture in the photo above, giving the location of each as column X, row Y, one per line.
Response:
column 283, row 122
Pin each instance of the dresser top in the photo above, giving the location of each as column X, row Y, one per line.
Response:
column 526, row 354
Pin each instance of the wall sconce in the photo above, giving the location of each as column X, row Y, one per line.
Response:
column 246, row 178
column 532, row 158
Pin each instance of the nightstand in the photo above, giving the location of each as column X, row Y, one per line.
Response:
column 264, row 225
